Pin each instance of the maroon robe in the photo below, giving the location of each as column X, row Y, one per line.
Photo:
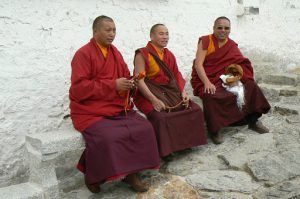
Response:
column 116, row 143
column 220, row 109
column 175, row 131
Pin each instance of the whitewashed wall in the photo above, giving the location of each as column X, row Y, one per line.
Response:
column 39, row 37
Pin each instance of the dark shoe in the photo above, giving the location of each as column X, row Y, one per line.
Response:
column 258, row 127
column 94, row 188
column 217, row 138
column 135, row 182
column 168, row 158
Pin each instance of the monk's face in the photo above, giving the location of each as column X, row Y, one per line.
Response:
column 222, row 29
column 160, row 36
column 105, row 32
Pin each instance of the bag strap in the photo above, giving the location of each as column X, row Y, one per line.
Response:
column 164, row 67
column 169, row 73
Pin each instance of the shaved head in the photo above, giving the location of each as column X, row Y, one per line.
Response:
column 153, row 28
column 219, row 18
column 98, row 21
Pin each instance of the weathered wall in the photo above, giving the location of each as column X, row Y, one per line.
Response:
column 39, row 38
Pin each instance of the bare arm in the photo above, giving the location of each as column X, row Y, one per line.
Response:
column 139, row 66
column 200, row 56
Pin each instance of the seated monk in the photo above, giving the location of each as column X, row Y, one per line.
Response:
column 214, row 54
column 119, row 142
column 177, row 121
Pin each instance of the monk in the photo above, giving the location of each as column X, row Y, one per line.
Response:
column 119, row 142
column 177, row 127
column 214, row 54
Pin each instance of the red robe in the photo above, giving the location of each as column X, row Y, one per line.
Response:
column 220, row 109
column 215, row 64
column 93, row 93
column 175, row 131
column 117, row 144
column 140, row 101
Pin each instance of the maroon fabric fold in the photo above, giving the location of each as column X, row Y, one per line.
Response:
column 179, row 130
column 117, row 146
column 221, row 110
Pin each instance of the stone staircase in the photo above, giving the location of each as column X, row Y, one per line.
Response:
column 283, row 92
column 53, row 155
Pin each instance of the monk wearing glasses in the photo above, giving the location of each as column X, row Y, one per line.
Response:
column 214, row 54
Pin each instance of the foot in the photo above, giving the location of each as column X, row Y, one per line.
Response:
column 136, row 183
column 258, row 127
column 94, row 188
column 217, row 138
column 168, row 158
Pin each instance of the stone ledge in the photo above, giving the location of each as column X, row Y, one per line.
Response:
column 45, row 152
column 57, row 141
column 22, row 191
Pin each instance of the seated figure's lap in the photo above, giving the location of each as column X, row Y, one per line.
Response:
column 114, row 129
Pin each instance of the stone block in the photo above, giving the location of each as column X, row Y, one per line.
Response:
column 253, row 146
column 285, row 190
column 276, row 92
column 22, row 191
column 233, row 181
column 286, row 109
column 163, row 186
column 50, row 143
column 272, row 168
column 279, row 79
column 270, row 92
column 193, row 163
column 46, row 151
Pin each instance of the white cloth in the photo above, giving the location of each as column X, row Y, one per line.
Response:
column 237, row 90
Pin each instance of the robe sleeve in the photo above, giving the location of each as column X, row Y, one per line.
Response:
column 205, row 42
column 84, row 85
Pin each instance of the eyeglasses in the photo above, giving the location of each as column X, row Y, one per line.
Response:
column 221, row 28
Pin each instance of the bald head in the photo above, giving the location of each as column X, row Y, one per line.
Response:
column 222, row 29
column 159, row 35
column 154, row 27
column 99, row 21
column 220, row 18
column 104, row 30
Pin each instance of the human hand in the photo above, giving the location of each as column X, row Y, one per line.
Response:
column 137, row 77
column 185, row 98
column 123, row 84
column 135, row 82
column 158, row 105
column 209, row 88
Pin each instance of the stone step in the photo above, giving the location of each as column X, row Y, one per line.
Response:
column 50, row 154
column 22, row 191
column 286, row 109
column 51, row 143
column 282, row 79
column 275, row 92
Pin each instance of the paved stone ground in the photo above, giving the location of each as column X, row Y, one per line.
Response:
column 247, row 165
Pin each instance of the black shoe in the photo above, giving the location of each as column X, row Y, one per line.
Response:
column 168, row 158
column 94, row 188
column 258, row 127
column 217, row 138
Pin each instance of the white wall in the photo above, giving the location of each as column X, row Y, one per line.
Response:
column 38, row 39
